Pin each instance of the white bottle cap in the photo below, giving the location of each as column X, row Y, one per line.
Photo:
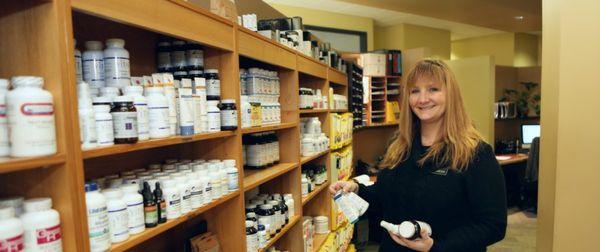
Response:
column 266, row 206
column 101, row 108
column 113, row 193
column 229, row 162
column 228, row 101
column 109, row 91
column 115, row 42
column 27, row 81
column 130, row 188
column 14, row 202
column 101, row 99
column 123, row 98
column 93, row 45
column 212, row 103
column 406, row 229
column 3, row 84
column 37, row 204
column 6, row 213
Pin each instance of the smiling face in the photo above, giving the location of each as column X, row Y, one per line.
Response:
column 427, row 99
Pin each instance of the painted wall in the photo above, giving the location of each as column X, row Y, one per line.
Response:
column 408, row 36
column 389, row 37
column 501, row 46
column 569, row 170
column 526, row 50
column 476, row 79
column 331, row 20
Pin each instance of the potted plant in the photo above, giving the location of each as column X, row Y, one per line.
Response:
column 525, row 100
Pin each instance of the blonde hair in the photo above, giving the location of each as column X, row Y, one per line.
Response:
column 459, row 138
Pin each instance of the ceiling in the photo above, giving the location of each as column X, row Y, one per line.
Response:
column 464, row 18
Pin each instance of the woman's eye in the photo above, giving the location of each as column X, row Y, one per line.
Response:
column 434, row 89
column 414, row 91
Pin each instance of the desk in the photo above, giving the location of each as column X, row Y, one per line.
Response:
column 512, row 158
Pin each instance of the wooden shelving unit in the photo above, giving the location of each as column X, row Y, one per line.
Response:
column 39, row 41
column 318, row 240
column 383, row 89
column 315, row 192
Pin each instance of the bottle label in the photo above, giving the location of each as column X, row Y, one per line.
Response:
column 164, row 60
column 142, row 119
column 98, row 228
column 116, row 68
column 118, row 221
column 228, row 118
column 12, row 244
column 135, row 215
column 93, row 72
column 195, row 58
column 37, row 109
column 252, row 242
column 151, row 214
column 163, row 210
column 264, row 220
column 178, row 59
column 104, row 131
column 213, row 87
column 32, row 128
column 158, row 117
column 186, row 111
column 232, row 178
column 214, row 121
column 125, row 124
column 48, row 239
column 173, row 206
column 78, row 68
column 253, row 153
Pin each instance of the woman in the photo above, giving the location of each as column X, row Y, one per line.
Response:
column 440, row 171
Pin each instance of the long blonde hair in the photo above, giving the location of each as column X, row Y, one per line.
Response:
column 459, row 138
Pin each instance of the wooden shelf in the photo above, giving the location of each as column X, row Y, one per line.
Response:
column 313, row 111
column 137, row 239
column 281, row 233
column 269, row 128
column 20, row 164
column 336, row 77
column 254, row 178
column 149, row 144
column 255, row 46
column 304, row 160
column 311, row 67
column 338, row 110
column 314, row 193
column 318, row 240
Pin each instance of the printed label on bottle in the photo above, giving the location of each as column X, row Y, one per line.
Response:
column 214, row 121
column 252, row 242
column 253, row 154
column 125, row 124
column 118, row 221
column 173, row 205
column 151, row 214
column 163, row 209
column 104, row 131
column 135, row 215
column 12, row 244
column 93, row 72
column 264, row 220
column 158, row 118
column 233, row 181
column 164, row 60
column 195, row 58
column 49, row 239
column 37, row 109
column 116, row 68
column 142, row 119
column 178, row 59
column 228, row 118
column 78, row 68
column 213, row 87
column 98, row 228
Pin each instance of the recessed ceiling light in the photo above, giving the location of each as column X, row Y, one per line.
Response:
column 519, row 18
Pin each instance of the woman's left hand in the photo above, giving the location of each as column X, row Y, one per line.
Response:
column 423, row 244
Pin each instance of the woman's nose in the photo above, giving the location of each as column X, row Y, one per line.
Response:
column 423, row 97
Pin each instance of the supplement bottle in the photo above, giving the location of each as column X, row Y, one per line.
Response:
column 151, row 212
column 41, row 225
column 78, row 62
column 104, row 125
column 262, row 236
column 116, row 64
column 110, row 92
column 252, row 217
column 14, row 202
column 178, row 61
column 246, row 112
column 172, row 198
column 194, row 56
column 408, row 229
column 141, row 106
column 205, row 185
column 289, row 202
column 278, row 216
column 232, row 175
column 214, row 116
column 158, row 113
column 213, row 84
column 196, row 199
column 4, row 146
column 125, row 120
column 164, row 57
column 30, row 112
column 135, row 208
column 97, row 214
column 93, row 64
column 169, row 91
column 11, row 231
column 185, row 192
column 251, row 237
column 161, row 205
column 215, row 182
column 87, row 123
column 228, row 115
column 266, row 216
column 118, row 217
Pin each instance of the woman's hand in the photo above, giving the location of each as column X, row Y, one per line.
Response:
column 347, row 186
column 423, row 244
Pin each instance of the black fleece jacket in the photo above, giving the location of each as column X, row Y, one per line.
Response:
column 466, row 210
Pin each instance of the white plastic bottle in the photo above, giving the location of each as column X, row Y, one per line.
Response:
column 104, row 125
column 11, row 230
column 87, row 123
column 93, row 64
column 172, row 198
column 185, row 193
column 97, row 214
column 215, row 182
column 232, row 175
column 289, row 202
column 172, row 101
column 206, row 186
column 141, row 105
column 408, row 229
column 4, row 146
column 135, row 208
column 116, row 63
column 158, row 113
column 200, row 105
column 78, row 63
column 214, row 116
column 118, row 218
column 246, row 112
column 41, row 225
column 195, row 190
column 16, row 202
column 30, row 112
column 110, row 92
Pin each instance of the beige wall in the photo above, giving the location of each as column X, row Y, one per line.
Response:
column 526, row 50
column 331, row 20
column 501, row 46
column 476, row 79
column 408, row 36
column 569, row 203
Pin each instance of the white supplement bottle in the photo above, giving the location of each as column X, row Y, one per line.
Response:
column 185, row 193
column 15, row 202
column 78, row 63
column 172, row 198
column 214, row 116
column 97, row 214
column 215, row 182
column 289, row 202
column 110, row 92
column 171, row 96
column 206, row 186
column 232, row 175
column 200, row 105
column 158, row 113
column 30, row 112
column 93, row 64
column 11, row 230
column 246, row 112
column 135, row 208
column 41, row 225
column 104, row 125
column 195, row 190
column 4, row 146
column 118, row 217
column 87, row 124
column 116, row 63
column 141, row 105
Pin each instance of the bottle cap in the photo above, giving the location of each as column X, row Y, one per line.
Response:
column 37, row 204
column 93, row 45
column 109, row 91
column 113, row 193
column 229, row 162
column 6, row 213
column 266, row 206
column 261, row 227
column 101, row 108
column 407, row 229
column 3, row 84
column 115, row 42
column 228, row 101
column 91, row 186
column 129, row 90
column 27, row 81
column 101, row 99
column 130, row 188
column 211, row 71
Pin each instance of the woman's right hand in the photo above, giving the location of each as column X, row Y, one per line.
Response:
column 347, row 186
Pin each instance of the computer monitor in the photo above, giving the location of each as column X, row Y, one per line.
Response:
column 528, row 133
